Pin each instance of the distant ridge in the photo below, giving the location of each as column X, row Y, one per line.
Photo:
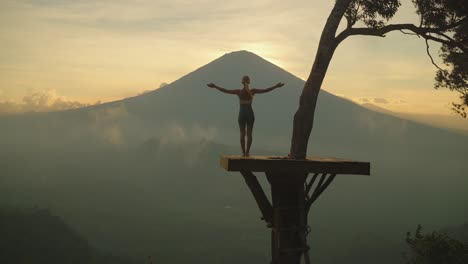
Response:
column 187, row 103
column 453, row 123
column 142, row 175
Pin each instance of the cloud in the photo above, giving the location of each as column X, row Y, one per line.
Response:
column 341, row 95
column 8, row 107
column 107, row 122
column 144, row 92
column 44, row 101
column 193, row 140
column 110, row 47
column 109, row 114
column 176, row 133
column 381, row 101
column 114, row 135
column 39, row 101
column 150, row 90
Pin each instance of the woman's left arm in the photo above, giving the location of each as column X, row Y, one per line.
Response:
column 259, row 91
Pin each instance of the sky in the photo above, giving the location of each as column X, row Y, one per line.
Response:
column 59, row 54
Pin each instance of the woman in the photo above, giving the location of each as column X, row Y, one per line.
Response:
column 246, row 115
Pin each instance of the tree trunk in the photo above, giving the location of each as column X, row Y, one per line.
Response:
column 304, row 117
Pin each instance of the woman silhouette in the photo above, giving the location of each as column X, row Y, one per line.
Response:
column 246, row 115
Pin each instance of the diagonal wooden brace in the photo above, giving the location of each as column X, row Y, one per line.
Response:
column 259, row 195
column 321, row 187
column 290, row 195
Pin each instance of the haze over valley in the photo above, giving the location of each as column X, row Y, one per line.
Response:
column 141, row 176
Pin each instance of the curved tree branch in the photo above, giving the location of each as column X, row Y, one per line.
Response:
column 450, row 42
column 408, row 33
column 429, row 54
column 421, row 31
column 446, row 36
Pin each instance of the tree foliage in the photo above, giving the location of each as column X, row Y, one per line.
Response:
column 441, row 21
column 456, row 78
column 373, row 14
column 434, row 248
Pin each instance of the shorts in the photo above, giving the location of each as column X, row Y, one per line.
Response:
column 246, row 116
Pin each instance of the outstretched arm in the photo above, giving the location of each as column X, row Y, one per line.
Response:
column 212, row 85
column 258, row 91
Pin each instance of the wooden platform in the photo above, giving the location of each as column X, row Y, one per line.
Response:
column 284, row 164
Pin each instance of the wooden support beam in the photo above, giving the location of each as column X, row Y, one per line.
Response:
column 287, row 213
column 322, row 179
column 259, row 195
column 310, row 184
column 319, row 190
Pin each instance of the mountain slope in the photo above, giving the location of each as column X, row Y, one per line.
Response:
column 403, row 154
column 453, row 122
column 189, row 106
column 103, row 162
column 37, row 236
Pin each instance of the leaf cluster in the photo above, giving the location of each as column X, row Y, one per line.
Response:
column 434, row 248
column 439, row 13
column 441, row 21
column 373, row 14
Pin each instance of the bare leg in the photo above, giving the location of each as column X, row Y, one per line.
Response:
column 242, row 140
column 249, row 139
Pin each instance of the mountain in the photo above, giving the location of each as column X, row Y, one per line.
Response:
column 376, row 108
column 37, row 236
column 187, row 108
column 141, row 175
column 452, row 122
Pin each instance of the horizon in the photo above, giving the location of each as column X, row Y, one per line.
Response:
column 78, row 54
column 51, row 102
column 127, row 135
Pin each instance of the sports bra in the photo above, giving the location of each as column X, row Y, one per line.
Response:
column 243, row 98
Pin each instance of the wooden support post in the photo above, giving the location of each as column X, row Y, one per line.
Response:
column 287, row 213
column 288, row 197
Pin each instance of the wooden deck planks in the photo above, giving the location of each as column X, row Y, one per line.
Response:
column 284, row 164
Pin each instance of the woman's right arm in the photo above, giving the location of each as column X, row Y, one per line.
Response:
column 212, row 85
